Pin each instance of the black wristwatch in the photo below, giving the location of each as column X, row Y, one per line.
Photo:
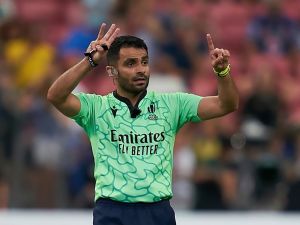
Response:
column 90, row 58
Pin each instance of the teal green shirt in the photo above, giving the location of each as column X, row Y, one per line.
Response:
column 134, row 156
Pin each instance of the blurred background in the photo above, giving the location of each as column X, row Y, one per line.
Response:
column 248, row 160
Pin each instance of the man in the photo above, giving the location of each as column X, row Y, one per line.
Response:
column 132, row 131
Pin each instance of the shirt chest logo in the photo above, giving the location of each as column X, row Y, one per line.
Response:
column 151, row 110
column 114, row 111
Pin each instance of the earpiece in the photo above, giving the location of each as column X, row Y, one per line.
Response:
column 112, row 72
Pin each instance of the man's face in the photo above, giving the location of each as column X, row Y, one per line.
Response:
column 133, row 70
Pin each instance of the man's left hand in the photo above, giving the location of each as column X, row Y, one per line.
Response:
column 219, row 57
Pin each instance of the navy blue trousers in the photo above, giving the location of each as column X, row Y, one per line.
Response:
column 109, row 212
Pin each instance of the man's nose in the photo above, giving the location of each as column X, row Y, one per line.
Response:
column 140, row 69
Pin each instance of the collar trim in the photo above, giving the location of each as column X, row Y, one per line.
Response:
column 134, row 109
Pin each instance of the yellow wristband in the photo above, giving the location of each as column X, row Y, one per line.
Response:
column 224, row 72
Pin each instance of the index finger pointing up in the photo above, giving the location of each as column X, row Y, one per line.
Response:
column 210, row 43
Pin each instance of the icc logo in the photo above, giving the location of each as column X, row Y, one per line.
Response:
column 151, row 110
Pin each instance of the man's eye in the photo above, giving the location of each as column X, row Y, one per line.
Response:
column 130, row 64
column 145, row 62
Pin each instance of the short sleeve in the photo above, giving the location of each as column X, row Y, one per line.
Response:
column 188, row 108
column 86, row 108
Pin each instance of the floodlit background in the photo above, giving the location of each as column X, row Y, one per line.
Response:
column 248, row 160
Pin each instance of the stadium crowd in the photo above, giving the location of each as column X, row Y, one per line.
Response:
column 247, row 160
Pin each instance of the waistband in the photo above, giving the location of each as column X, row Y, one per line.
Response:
column 109, row 201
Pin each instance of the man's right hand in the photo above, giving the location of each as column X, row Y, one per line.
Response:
column 103, row 39
column 60, row 92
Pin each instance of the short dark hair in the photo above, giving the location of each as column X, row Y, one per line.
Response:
column 121, row 42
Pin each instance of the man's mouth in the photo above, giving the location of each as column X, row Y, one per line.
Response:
column 140, row 80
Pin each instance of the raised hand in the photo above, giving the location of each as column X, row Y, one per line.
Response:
column 99, row 47
column 219, row 57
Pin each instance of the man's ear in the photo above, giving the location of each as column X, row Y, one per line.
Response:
column 111, row 71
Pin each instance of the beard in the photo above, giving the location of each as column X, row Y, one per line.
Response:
column 129, row 86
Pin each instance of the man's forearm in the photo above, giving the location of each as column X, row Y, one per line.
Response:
column 67, row 82
column 228, row 94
